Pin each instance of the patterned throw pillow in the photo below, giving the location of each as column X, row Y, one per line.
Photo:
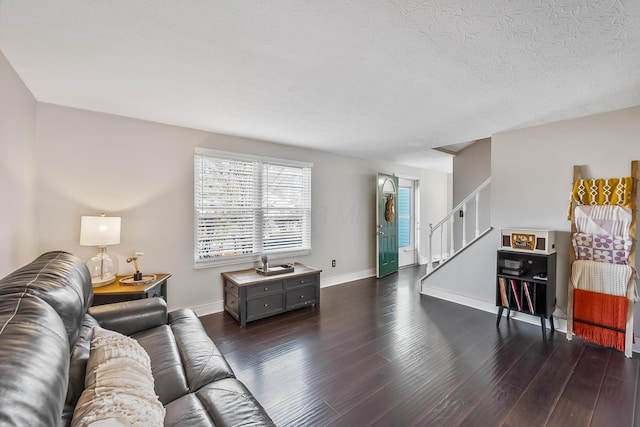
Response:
column 119, row 385
column 602, row 247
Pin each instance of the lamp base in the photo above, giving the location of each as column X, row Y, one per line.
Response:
column 102, row 268
column 98, row 282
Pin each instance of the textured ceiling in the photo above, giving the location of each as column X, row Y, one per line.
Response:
column 374, row 79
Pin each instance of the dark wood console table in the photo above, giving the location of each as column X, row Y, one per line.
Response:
column 251, row 296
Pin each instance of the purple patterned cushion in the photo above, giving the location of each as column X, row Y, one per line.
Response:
column 602, row 247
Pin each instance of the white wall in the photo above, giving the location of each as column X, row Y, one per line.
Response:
column 472, row 167
column 17, row 140
column 142, row 171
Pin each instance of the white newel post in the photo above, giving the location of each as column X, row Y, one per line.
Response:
column 464, row 225
column 441, row 228
column 430, row 253
column 477, row 214
column 452, row 249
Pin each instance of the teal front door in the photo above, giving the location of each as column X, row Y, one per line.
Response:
column 387, row 224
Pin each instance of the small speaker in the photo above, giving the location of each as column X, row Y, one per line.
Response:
column 528, row 239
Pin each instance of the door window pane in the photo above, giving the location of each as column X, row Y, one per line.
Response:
column 404, row 216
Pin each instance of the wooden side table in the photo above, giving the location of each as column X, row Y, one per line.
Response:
column 115, row 292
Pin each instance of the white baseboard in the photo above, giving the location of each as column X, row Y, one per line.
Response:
column 218, row 306
column 560, row 324
column 459, row 299
column 209, row 308
column 325, row 282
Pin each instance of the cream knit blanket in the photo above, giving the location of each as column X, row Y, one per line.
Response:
column 604, row 278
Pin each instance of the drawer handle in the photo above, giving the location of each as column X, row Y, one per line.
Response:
column 266, row 289
column 266, row 305
column 301, row 296
column 301, row 281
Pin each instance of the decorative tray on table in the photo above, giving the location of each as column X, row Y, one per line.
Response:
column 278, row 269
column 130, row 281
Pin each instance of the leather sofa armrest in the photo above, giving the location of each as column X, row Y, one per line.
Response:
column 130, row 317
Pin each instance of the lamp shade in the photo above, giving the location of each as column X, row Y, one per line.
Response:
column 99, row 230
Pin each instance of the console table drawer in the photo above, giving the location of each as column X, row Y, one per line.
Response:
column 230, row 288
column 310, row 279
column 301, row 296
column 265, row 306
column 231, row 303
column 264, row 289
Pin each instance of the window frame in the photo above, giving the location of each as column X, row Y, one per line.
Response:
column 259, row 215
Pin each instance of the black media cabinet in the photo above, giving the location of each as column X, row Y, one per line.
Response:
column 521, row 287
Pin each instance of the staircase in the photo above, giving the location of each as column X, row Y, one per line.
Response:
column 449, row 237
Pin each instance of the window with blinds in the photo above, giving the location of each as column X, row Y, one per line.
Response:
column 247, row 206
column 404, row 217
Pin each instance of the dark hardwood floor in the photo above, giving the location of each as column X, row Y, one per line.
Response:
column 377, row 352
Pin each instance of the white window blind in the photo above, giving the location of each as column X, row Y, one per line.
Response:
column 286, row 203
column 246, row 206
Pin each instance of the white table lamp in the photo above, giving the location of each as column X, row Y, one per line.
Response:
column 101, row 231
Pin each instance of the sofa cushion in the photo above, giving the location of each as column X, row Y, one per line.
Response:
column 130, row 317
column 166, row 364
column 60, row 279
column 203, row 362
column 34, row 362
column 119, row 384
column 229, row 402
column 183, row 357
column 187, row 411
column 224, row 402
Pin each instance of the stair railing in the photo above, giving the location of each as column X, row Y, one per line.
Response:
column 448, row 223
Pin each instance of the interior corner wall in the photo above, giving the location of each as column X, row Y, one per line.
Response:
column 472, row 167
column 532, row 172
column 91, row 162
column 17, row 141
